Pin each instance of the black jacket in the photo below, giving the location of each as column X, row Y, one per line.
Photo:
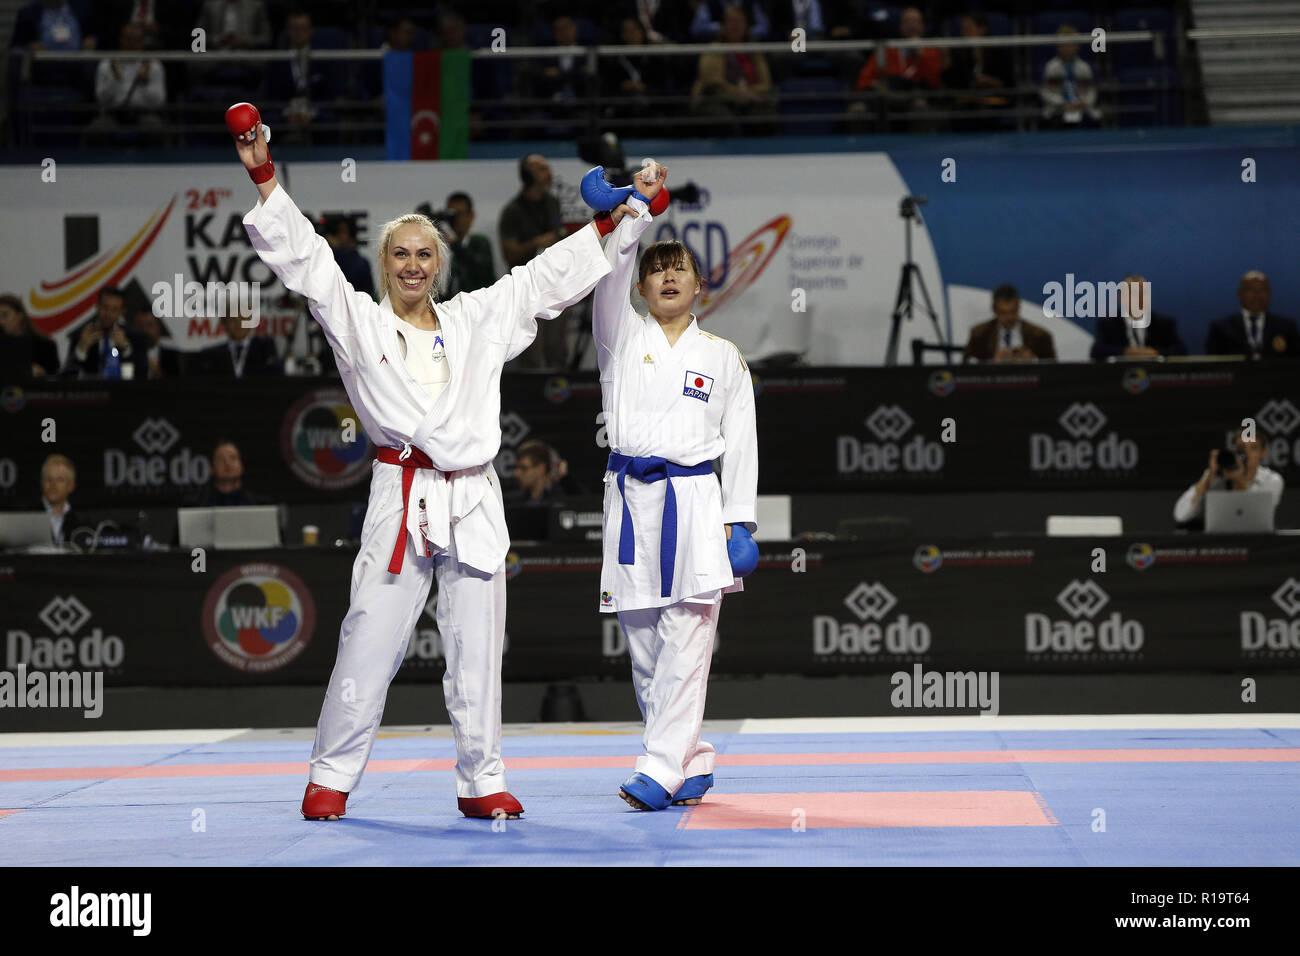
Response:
column 1112, row 337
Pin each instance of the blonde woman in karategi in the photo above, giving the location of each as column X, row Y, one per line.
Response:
column 676, row 399
column 424, row 378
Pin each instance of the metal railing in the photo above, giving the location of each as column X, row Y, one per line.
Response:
column 513, row 113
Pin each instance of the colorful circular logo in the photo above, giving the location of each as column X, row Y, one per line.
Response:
column 513, row 567
column 258, row 617
column 942, row 384
column 1141, row 556
column 927, row 558
column 1135, row 380
column 556, row 389
column 12, row 399
column 323, row 442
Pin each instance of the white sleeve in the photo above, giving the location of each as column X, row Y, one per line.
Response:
column 1187, row 507
column 104, row 87
column 289, row 245
column 611, row 309
column 740, row 457
column 542, row 288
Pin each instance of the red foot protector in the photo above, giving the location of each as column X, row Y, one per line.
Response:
column 321, row 803
column 487, row 807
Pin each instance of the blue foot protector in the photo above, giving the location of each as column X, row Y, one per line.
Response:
column 693, row 790
column 642, row 793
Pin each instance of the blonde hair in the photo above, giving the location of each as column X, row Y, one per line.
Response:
column 59, row 461
column 440, row 247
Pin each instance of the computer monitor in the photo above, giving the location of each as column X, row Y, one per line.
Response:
column 1239, row 512
column 256, row 526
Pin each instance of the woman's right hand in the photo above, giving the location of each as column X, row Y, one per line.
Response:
column 252, row 147
column 650, row 190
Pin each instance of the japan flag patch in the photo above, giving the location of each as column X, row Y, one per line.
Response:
column 698, row 386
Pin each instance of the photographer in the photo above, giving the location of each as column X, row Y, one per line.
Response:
column 1236, row 468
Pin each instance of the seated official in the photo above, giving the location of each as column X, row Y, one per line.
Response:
column 1007, row 337
column 90, row 346
column 1248, row 474
column 24, row 352
column 1141, row 334
column 160, row 361
column 1254, row 331
column 227, row 486
column 243, row 354
column 58, row 482
column 542, row 474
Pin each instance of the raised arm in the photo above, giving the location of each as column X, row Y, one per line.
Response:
column 611, row 308
column 289, row 245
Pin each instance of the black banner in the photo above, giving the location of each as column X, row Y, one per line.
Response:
column 1031, row 427
column 1031, row 605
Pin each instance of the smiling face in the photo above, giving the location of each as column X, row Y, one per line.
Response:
column 411, row 263
column 669, row 280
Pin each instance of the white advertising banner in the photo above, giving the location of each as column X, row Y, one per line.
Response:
column 802, row 253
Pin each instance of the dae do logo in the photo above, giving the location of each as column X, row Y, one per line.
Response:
column 1083, row 451
column 872, row 635
column 258, row 617
column 1083, row 601
column 890, row 454
column 323, row 443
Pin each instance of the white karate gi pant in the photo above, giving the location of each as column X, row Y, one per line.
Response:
column 372, row 644
column 672, row 649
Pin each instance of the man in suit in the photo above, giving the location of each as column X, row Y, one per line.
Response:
column 90, row 344
column 244, row 353
column 1254, row 331
column 1007, row 337
column 1140, row 334
column 58, row 482
column 160, row 361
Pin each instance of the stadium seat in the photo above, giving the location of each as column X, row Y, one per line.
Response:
column 1142, row 54
column 809, row 96
column 1150, row 96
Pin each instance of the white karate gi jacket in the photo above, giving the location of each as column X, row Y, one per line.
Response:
column 688, row 403
column 461, row 430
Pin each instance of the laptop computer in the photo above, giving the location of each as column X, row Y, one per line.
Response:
column 1239, row 512
column 23, row 529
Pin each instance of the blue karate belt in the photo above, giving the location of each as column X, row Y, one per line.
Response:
column 651, row 469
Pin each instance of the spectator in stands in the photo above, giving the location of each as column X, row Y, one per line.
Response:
column 164, row 24
column 400, row 36
column 1249, row 474
column 1068, row 92
column 52, row 25
column 235, row 25
column 471, row 255
column 663, row 21
column 1007, row 337
column 340, row 232
column 24, row 352
column 729, row 86
column 129, row 93
column 160, row 361
column 542, row 474
column 451, row 30
column 708, row 16
column 303, row 83
column 1254, row 331
column 91, row 345
column 529, row 223
column 908, row 74
column 1140, row 334
column 564, row 78
column 243, row 353
column 819, row 19
column 58, row 482
column 633, row 79
column 984, row 72
column 227, row 486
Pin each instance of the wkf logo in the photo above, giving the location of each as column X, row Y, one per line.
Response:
column 697, row 385
column 1276, row 636
column 258, row 617
column 1082, row 635
column 872, row 636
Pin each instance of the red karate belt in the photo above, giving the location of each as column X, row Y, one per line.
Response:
column 416, row 459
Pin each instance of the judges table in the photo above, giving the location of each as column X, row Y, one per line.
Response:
column 1031, row 605
column 1040, row 427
